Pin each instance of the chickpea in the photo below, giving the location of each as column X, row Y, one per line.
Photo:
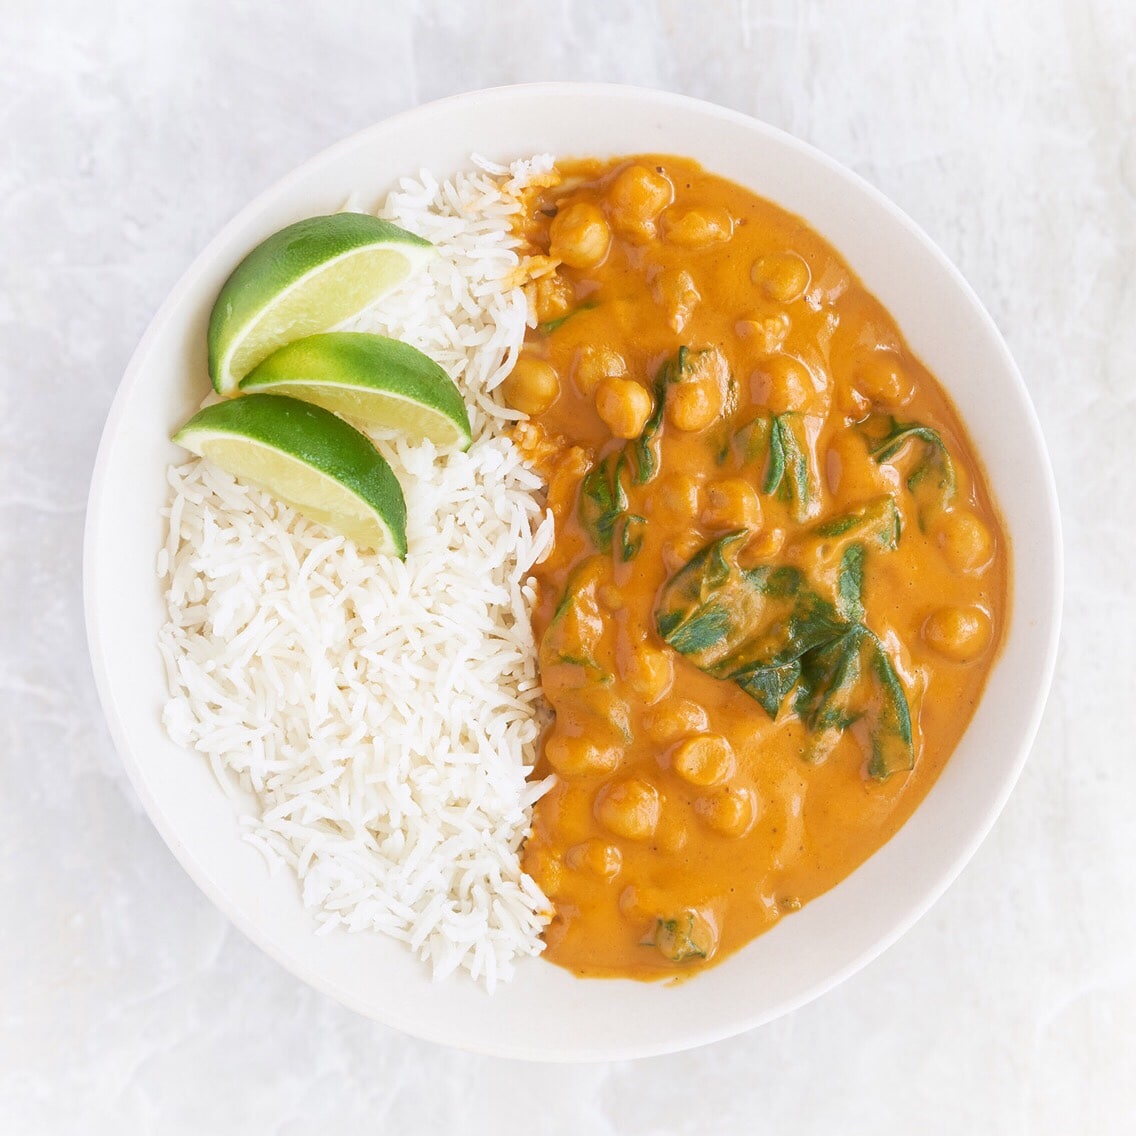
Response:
column 573, row 815
column 731, row 503
column 690, row 934
column 547, row 871
column 730, row 812
column 709, row 364
column 676, row 294
column 564, row 480
column 965, row 540
column 674, row 720
column 629, row 808
column 639, row 901
column 532, row 386
column 596, row 857
column 650, row 672
column 611, row 597
column 787, row 385
column 672, row 834
column 763, row 546
column 636, row 197
column 852, row 471
column 595, row 363
column 769, row 330
column 851, row 403
column 677, row 497
column 580, row 235
column 698, row 228
column 704, row 760
column 624, row 405
column 680, row 548
column 783, row 276
column 961, row 634
column 573, row 756
column 609, row 711
column 882, row 378
column 693, row 404
column 551, row 297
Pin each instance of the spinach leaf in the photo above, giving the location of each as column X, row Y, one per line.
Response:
column 877, row 520
column 775, row 461
column 850, row 584
column 750, row 626
column 644, row 449
column 604, row 508
column 780, row 443
column 603, row 500
column 751, row 441
column 577, row 625
column 604, row 504
column 630, row 535
column 549, row 326
column 686, row 936
column 835, row 552
column 932, row 481
column 767, row 630
column 892, row 745
column 768, row 686
column 851, row 679
column 576, row 653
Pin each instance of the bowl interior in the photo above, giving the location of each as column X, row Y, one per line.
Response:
column 545, row 1012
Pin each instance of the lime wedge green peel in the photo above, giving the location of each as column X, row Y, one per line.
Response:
column 371, row 379
column 310, row 459
column 307, row 278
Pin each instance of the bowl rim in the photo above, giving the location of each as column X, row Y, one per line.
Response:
column 169, row 312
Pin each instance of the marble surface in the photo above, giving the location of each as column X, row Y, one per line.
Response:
column 132, row 131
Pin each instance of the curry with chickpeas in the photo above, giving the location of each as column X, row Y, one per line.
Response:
column 778, row 580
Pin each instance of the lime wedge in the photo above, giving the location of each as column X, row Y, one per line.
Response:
column 306, row 278
column 305, row 456
column 372, row 379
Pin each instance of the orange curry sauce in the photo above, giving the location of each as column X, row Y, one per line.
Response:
column 707, row 367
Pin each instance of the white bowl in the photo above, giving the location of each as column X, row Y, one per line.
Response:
column 545, row 1012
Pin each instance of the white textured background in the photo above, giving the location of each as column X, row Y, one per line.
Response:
column 131, row 130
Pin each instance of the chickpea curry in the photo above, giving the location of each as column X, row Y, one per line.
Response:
column 778, row 581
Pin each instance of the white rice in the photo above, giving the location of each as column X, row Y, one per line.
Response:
column 383, row 714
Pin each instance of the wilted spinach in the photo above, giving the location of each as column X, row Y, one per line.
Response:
column 780, row 443
column 852, row 678
column 877, row 520
column 549, row 326
column 577, row 625
column 643, row 451
column 932, row 481
column 748, row 625
column 840, row 546
column 767, row 630
column 604, row 508
column 578, row 637
column 850, row 584
column 684, row 937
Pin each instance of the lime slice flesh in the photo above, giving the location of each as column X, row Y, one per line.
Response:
column 369, row 378
column 307, row 278
column 308, row 458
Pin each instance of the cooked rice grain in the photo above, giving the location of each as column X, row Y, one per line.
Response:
column 384, row 714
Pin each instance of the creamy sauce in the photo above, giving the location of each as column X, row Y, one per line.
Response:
column 707, row 365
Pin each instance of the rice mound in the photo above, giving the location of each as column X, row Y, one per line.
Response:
column 384, row 714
